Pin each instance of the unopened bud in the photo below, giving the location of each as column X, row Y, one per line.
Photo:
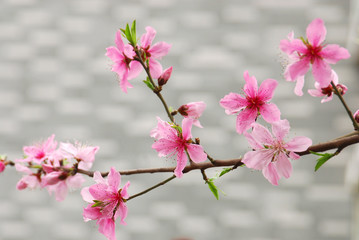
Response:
column 162, row 80
column 356, row 116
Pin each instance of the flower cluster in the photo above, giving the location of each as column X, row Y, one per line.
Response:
column 106, row 202
column 55, row 169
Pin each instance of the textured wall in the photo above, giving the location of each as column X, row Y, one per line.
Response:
column 54, row 78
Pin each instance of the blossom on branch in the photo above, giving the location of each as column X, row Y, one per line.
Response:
column 270, row 152
column 311, row 51
column 254, row 102
column 328, row 91
column 152, row 53
column 106, row 202
column 164, row 77
column 171, row 140
column 124, row 65
column 193, row 110
column 356, row 116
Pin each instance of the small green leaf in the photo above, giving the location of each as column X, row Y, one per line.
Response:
column 149, row 84
column 323, row 160
column 213, row 189
column 133, row 32
column 97, row 203
column 319, row 154
column 128, row 33
column 224, row 171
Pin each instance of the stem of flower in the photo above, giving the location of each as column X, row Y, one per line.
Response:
column 355, row 124
column 151, row 188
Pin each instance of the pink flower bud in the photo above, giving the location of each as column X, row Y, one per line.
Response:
column 356, row 116
column 193, row 110
column 342, row 89
column 2, row 166
column 162, row 80
column 21, row 185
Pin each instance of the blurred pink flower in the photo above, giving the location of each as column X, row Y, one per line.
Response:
column 85, row 155
column 254, row 103
column 174, row 142
column 107, row 202
column 193, row 110
column 270, row 152
column 39, row 152
column 153, row 52
column 328, row 91
column 124, row 65
column 303, row 52
column 2, row 166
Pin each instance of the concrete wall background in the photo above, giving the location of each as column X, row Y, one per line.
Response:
column 54, row 78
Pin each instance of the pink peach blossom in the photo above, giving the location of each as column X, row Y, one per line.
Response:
column 312, row 51
column 328, row 91
column 124, row 65
column 170, row 141
column 193, row 110
column 270, row 152
column 85, row 155
column 153, row 52
column 255, row 102
column 107, row 202
column 356, row 116
column 2, row 166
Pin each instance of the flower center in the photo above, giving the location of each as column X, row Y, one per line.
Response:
column 40, row 155
column 254, row 102
column 313, row 52
column 328, row 90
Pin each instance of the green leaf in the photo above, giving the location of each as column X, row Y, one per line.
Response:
column 213, row 189
column 323, row 160
column 224, row 171
column 149, row 84
column 128, row 33
column 133, row 32
column 97, row 203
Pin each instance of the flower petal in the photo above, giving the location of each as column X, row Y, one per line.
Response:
column 181, row 163
column 271, row 174
column 91, row 213
column 298, row 90
column 159, row 50
column 147, row 38
column 99, row 192
column 196, row 153
column 321, row 72
column 114, row 179
column 107, row 228
column 316, row 32
column 86, row 195
column 280, row 129
column 332, row 53
column 233, row 103
column 118, row 41
column 270, row 112
column 258, row 159
column 298, row 144
column 283, row 165
column 266, row 89
column 262, row 135
column 245, row 118
column 251, row 86
column 297, row 69
column 155, row 68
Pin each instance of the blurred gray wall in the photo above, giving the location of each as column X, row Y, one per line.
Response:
column 55, row 78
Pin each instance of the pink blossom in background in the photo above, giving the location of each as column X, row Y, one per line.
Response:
column 30, row 180
column 39, row 152
column 193, row 110
column 270, row 152
column 254, row 102
column 84, row 154
column 312, row 51
column 172, row 142
column 106, row 202
column 154, row 52
column 124, row 65
column 356, row 116
column 165, row 76
column 2, row 166
column 328, row 91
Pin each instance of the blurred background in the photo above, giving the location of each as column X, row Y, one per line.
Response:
column 55, row 78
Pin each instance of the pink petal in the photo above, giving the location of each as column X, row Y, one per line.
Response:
column 295, row 45
column 233, row 103
column 181, row 163
column 271, row 174
column 197, row 123
column 315, row 93
column 159, row 50
column 60, row 191
column 196, row 153
column 122, row 212
column 147, row 38
column 297, row 69
column 75, row 182
column 99, row 192
column 86, row 195
column 262, row 135
column 155, row 68
column 97, row 177
column 135, row 70
column 270, row 112
column 298, row 90
column 258, row 159
column 283, row 165
column 124, row 84
column 245, row 118
column 165, row 147
column 294, row 156
column 124, row 193
column 251, row 86
column 114, row 54
column 327, row 99
column 316, row 32
column 252, row 141
column 280, row 129
column 91, row 213
column 114, row 179
column 119, row 42
column 266, row 89
column 298, row 144
column 332, row 53
column 321, row 72
column 107, row 228
column 186, row 128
